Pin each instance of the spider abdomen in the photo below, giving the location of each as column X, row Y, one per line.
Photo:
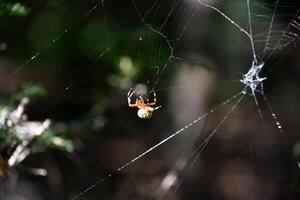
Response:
column 145, row 113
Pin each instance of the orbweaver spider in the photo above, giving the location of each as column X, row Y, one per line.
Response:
column 146, row 109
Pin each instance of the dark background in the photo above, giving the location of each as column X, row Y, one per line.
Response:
column 247, row 158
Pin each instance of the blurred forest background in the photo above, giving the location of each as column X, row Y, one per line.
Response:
column 80, row 81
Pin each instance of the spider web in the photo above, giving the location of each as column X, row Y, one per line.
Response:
column 268, row 31
column 263, row 45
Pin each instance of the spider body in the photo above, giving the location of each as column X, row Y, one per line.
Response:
column 146, row 109
column 146, row 112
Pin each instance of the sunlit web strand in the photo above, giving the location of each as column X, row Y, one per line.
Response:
column 274, row 116
column 149, row 25
column 72, row 83
column 270, row 28
column 171, row 57
column 173, row 8
column 175, row 88
column 142, row 18
column 51, row 42
column 155, row 42
column 250, row 32
column 278, row 124
column 240, row 94
column 171, row 49
column 201, row 147
column 226, row 17
column 256, row 67
column 154, row 6
column 293, row 36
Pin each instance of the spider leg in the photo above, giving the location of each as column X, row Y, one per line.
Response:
column 132, row 105
column 157, row 107
column 130, row 92
column 154, row 100
column 129, row 95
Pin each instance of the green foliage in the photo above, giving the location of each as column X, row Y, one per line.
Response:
column 13, row 9
column 27, row 90
column 19, row 137
column 50, row 139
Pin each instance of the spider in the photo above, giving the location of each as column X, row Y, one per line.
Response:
column 145, row 109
